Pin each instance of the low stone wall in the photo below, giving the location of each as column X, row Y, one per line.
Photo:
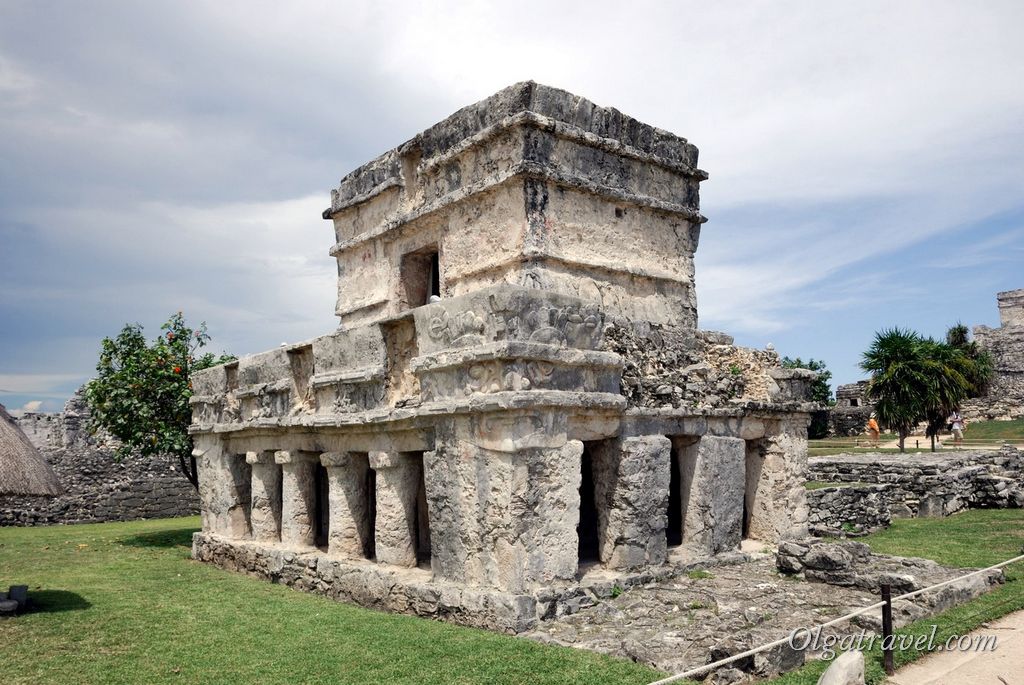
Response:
column 848, row 509
column 98, row 487
column 412, row 591
column 930, row 484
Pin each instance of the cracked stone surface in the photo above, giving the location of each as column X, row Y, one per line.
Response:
column 685, row 622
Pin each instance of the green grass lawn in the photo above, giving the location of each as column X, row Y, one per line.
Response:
column 980, row 434
column 123, row 603
column 976, row 538
column 995, row 430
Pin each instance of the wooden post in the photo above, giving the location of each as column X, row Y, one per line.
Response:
column 887, row 639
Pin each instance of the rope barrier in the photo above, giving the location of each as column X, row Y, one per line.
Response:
column 771, row 645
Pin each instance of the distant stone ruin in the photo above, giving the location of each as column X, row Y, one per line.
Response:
column 852, row 410
column 1005, row 397
column 518, row 399
column 97, row 486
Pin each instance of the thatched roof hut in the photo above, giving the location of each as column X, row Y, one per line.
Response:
column 23, row 471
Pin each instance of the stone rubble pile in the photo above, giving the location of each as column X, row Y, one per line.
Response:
column 682, row 622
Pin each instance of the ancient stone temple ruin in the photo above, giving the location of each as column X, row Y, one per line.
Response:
column 518, row 402
column 852, row 410
column 1005, row 396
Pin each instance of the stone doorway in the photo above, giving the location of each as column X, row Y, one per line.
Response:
column 587, row 529
column 674, row 530
column 753, row 465
column 370, row 543
column 421, row 524
column 321, row 507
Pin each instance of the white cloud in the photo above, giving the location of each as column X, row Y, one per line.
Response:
column 835, row 134
column 43, row 384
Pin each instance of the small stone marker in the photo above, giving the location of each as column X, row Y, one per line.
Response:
column 19, row 594
column 8, row 607
column 847, row 669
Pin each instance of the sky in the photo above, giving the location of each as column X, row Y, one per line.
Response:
column 866, row 159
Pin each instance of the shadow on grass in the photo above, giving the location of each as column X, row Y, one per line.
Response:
column 180, row 537
column 53, row 601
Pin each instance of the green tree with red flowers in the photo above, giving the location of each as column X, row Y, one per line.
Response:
column 141, row 391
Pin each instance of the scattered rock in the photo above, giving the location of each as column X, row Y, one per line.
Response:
column 846, row 669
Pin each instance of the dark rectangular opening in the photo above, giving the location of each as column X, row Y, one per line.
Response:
column 276, row 504
column 587, row 528
column 321, row 506
column 752, row 477
column 684, row 460
column 422, row 522
column 370, row 543
column 435, row 275
column 674, row 531
column 420, row 275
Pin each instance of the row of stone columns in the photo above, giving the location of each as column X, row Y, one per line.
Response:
column 727, row 486
column 510, row 518
column 372, row 502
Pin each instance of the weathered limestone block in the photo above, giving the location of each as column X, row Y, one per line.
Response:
column 398, row 478
column 266, row 496
column 544, row 514
column 504, row 512
column 776, row 470
column 350, row 532
column 224, row 488
column 297, row 498
column 504, row 188
column 847, row 669
column 631, row 488
column 712, row 479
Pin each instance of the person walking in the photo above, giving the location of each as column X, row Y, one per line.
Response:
column 873, row 431
column 957, row 424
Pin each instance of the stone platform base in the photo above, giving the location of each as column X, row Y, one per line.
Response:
column 412, row 591
column 685, row 622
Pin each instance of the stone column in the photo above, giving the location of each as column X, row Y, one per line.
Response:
column 297, row 499
column 266, row 496
column 350, row 527
column 631, row 481
column 224, row 493
column 712, row 472
column 777, row 470
column 398, row 477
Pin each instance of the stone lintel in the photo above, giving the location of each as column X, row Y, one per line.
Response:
column 296, row 457
column 336, row 459
column 380, row 460
column 261, row 457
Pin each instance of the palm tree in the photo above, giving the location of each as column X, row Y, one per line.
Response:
column 981, row 367
column 949, row 370
column 899, row 379
column 916, row 379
